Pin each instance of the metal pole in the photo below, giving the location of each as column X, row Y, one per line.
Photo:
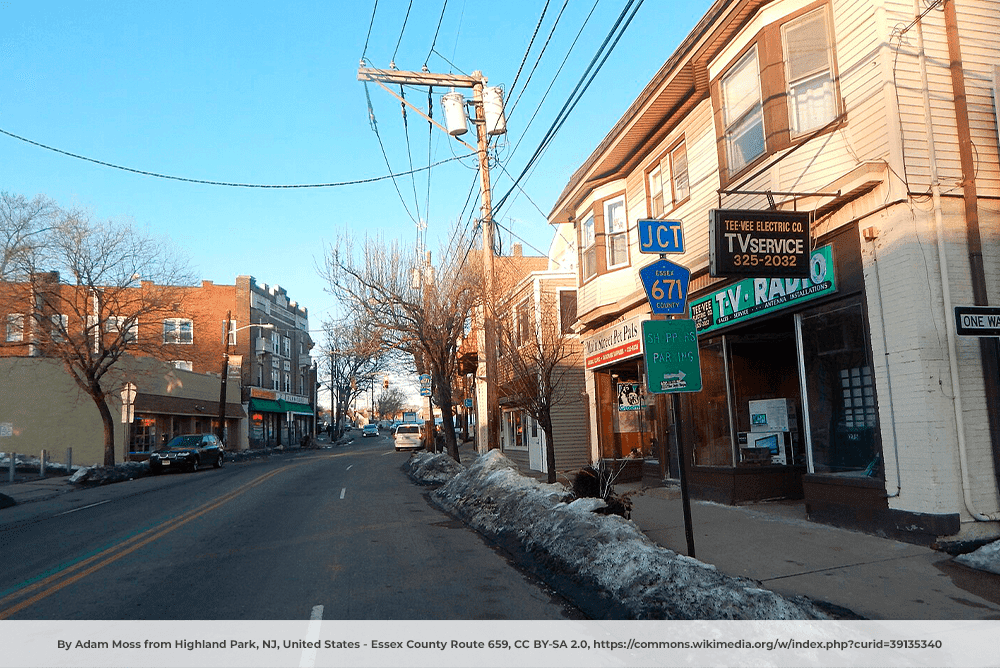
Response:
column 685, row 497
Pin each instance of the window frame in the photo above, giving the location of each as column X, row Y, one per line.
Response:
column 829, row 73
column 588, row 250
column 742, row 120
column 11, row 328
column 565, row 328
column 775, row 93
column 178, row 329
column 664, row 169
column 611, row 237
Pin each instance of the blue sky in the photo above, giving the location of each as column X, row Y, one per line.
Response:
column 267, row 93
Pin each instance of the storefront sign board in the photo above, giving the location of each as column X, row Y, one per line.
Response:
column 754, row 297
column 758, row 243
column 666, row 287
column 660, row 236
column 672, row 360
column 425, row 385
column 613, row 344
column 977, row 320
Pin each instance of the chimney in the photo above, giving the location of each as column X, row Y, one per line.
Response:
column 517, row 250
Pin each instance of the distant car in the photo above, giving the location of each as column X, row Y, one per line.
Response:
column 189, row 451
column 369, row 430
column 409, row 437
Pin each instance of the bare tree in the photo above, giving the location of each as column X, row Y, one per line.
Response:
column 89, row 287
column 23, row 224
column 355, row 356
column 391, row 401
column 536, row 354
column 422, row 308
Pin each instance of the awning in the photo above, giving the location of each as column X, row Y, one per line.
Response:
column 161, row 405
column 280, row 406
column 266, row 406
column 298, row 409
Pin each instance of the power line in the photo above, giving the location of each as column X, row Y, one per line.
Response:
column 225, row 183
column 602, row 55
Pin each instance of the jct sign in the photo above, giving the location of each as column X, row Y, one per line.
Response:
column 758, row 243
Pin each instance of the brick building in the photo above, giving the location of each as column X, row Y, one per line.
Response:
column 269, row 372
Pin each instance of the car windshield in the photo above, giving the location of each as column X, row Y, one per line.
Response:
column 192, row 441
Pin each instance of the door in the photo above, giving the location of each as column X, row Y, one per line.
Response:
column 536, row 445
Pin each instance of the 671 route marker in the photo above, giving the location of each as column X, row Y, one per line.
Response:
column 666, row 287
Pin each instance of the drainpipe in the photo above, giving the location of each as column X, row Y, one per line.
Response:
column 945, row 282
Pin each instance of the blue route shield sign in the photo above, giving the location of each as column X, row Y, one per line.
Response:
column 666, row 286
column 660, row 236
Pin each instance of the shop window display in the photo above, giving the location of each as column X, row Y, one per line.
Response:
column 840, row 391
column 708, row 410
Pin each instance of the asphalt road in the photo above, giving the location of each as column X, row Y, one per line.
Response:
column 342, row 528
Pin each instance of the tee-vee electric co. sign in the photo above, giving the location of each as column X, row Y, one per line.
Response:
column 758, row 243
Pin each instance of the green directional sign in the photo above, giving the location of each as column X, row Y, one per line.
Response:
column 672, row 360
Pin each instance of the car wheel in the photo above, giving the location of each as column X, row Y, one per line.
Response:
column 154, row 471
column 218, row 462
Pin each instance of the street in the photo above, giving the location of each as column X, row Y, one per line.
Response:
column 339, row 530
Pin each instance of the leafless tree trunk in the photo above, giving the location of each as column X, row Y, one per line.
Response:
column 536, row 356
column 94, row 292
column 423, row 308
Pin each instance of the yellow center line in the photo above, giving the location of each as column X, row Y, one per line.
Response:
column 115, row 552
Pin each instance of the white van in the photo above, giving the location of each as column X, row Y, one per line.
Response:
column 409, row 436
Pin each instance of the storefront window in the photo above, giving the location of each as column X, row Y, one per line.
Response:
column 709, row 411
column 840, row 391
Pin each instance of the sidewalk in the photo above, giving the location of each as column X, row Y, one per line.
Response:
column 875, row 578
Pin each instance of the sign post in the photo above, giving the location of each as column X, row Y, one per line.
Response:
column 673, row 365
column 128, row 414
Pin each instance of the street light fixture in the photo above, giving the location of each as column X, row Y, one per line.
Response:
column 225, row 370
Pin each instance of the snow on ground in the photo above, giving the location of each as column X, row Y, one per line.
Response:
column 986, row 558
column 625, row 573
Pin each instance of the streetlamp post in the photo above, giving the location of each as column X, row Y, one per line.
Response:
column 225, row 370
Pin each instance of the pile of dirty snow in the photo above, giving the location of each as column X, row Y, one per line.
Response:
column 986, row 558
column 432, row 469
column 604, row 559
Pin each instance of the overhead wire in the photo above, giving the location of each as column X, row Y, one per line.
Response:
column 364, row 51
column 230, row 184
column 402, row 30
column 595, row 66
column 527, row 51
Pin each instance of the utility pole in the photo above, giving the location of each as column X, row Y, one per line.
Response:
column 477, row 83
column 225, row 375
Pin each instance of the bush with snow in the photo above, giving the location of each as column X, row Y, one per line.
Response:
column 605, row 559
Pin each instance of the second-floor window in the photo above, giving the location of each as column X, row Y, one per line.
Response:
column 791, row 65
column 522, row 323
column 743, row 113
column 588, row 242
column 116, row 323
column 15, row 327
column 567, row 311
column 178, row 330
column 655, row 179
column 60, row 327
column 617, row 232
column 809, row 72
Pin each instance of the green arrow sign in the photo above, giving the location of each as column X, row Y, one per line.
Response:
column 672, row 360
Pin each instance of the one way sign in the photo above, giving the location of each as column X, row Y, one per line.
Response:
column 977, row 320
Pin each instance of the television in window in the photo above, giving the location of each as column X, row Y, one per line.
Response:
column 770, row 442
